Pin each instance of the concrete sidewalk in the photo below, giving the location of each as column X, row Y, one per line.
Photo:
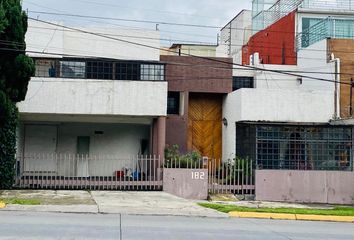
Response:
column 125, row 202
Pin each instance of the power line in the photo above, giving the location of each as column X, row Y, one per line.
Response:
column 184, row 78
column 204, row 58
column 121, row 6
column 172, row 63
column 239, row 45
column 159, row 22
column 292, row 71
column 130, row 36
column 287, row 55
column 118, row 25
column 240, row 68
column 127, row 20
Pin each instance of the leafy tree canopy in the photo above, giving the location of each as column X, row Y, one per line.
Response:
column 15, row 67
column 16, row 70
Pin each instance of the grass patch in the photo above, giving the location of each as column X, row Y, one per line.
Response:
column 336, row 211
column 21, row 201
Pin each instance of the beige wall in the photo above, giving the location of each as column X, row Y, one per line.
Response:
column 335, row 187
column 186, row 183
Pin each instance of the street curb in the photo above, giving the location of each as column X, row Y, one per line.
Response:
column 286, row 216
column 2, row 205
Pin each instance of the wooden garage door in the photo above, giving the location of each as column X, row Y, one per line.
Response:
column 204, row 124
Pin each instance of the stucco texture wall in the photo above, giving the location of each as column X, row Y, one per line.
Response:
column 273, row 105
column 102, row 97
column 332, row 187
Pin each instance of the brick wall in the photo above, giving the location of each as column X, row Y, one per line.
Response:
column 192, row 74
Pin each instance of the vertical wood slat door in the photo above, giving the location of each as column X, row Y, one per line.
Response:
column 204, row 125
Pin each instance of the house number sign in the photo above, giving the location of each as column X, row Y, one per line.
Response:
column 198, row 175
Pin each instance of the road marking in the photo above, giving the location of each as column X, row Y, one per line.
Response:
column 285, row 216
column 325, row 218
column 263, row 215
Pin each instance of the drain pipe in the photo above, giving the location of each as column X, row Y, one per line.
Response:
column 336, row 61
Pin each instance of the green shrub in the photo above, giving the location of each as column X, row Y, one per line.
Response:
column 236, row 170
column 8, row 123
column 173, row 158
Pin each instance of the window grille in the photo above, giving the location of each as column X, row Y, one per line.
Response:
column 296, row 147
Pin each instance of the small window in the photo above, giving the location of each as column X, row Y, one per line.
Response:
column 99, row 70
column 152, row 72
column 242, row 82
column 173, row 103
column 127, row 71
column 71, row 69
column 45, row 68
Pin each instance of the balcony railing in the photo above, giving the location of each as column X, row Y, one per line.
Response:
column 263, row 18
column 327, row 28
column 333, row 5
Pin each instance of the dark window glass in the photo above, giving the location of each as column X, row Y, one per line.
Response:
column 72, row 69
column 242, row 82
column 296, row 147
column 173, row 103
column 99, row 70
column 127, row 71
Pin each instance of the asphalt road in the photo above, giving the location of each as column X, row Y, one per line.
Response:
column 26, row 225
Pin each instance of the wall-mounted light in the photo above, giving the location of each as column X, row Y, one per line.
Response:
column 224, row 121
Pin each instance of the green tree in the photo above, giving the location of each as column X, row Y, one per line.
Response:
column 15, row 71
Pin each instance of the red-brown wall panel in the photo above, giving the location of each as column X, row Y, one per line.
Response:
column 275, row 44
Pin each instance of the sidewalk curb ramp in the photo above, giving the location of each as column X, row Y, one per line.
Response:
column 286, row 216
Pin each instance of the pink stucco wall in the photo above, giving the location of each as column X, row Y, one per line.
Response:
column 336, row 187
column 180, row 182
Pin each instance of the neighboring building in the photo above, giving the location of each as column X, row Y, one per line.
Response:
column 234, row 35
column 292, row 121
column 296, row 32
column 184, row 49
column 91, row 96
column 196, row 88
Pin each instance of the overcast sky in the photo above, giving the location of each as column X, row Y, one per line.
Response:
column 204, row 12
